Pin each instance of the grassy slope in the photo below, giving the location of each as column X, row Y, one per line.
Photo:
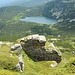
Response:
column 67, row 9
column 43, row 68
column 10, row 24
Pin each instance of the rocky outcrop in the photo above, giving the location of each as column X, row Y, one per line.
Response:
column 17, row 48
column 38, row 48
column 35, row 45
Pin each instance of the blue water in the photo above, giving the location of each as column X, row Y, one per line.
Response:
column 40, row 19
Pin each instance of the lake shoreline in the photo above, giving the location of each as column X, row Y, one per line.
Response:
column 39, row 19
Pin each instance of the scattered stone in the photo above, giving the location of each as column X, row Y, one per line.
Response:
column 6, row 43
column 11, row 55
column 73, row 52
column 53, row 65
column 72, row 20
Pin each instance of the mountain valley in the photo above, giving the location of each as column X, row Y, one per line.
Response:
column 59, row 36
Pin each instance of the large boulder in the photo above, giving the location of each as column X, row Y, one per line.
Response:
column 35, row 45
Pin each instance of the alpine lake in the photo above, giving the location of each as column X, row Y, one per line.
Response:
column 40, row 19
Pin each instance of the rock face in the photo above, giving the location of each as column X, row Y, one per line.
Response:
column 60, row 9
column 35, row 46
column 17, row 48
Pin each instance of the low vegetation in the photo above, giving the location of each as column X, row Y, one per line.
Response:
column 62, row 35
column 65, row 67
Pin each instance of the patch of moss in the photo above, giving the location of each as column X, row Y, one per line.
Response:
column 70, row 63
column 8, row 62
column 7, row 72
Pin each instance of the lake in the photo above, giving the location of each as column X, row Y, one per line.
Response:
column 40, row 19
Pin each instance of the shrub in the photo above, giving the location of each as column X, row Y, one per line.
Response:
column 7, row 62
column 70, row 63
column 7, row 72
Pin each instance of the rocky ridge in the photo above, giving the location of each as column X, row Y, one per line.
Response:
column 38, row 48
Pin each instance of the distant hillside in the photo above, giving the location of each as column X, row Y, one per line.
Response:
column 63, row 11
column 29, row 3
column 4, row 3
column 11, row 28
column 10, row 12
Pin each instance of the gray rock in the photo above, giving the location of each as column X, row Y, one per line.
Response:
column 35, row 46
column 17, row 48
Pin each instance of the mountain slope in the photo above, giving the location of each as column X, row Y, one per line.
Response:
column 5, row 2
column 29, row 3
column 11, row 25
column 11, row 28
column 60, row 9
column 63, row 11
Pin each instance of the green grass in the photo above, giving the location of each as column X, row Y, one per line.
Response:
column 8, row 72
column 12, row 29
column 6, row 61
column 36, row 68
